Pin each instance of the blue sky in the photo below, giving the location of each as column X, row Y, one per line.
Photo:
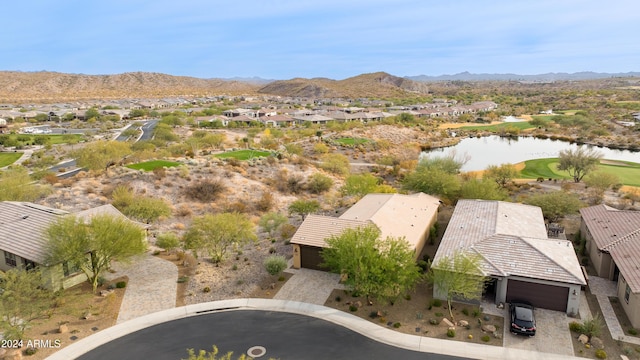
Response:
column 283, row 39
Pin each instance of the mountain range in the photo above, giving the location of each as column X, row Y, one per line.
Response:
column 45, row 86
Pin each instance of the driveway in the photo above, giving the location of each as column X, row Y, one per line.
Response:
column 552, row 334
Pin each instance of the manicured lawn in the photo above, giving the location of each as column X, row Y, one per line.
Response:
column 243, row 154
column 60, row 139
column 9, row 158
column 523, row 125
column 152, row 165
column 351, row 141
column 628, row 172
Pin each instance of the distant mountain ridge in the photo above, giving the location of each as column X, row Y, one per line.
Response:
column 373, row 85
column 467, row 76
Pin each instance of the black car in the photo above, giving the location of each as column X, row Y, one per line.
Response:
column 523, row 321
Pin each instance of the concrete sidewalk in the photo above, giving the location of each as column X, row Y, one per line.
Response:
column 310, row 286
column 603, row 289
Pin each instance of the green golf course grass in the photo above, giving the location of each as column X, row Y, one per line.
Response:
column 627, row 172
column 9, row 158
column 243, row 154
column 522, row 125
column 152, row 165
column 351, row 141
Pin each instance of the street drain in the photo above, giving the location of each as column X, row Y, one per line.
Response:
column 256, row 351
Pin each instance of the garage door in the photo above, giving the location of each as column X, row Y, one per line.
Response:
column 310, row 257
column 539, row 295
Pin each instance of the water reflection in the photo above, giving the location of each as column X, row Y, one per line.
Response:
column 496, row 150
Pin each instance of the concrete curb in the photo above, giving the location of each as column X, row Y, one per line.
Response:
column 352, row 322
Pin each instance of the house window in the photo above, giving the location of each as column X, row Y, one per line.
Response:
column 9, row 258
column 28, row 264
column 69, row 269
column 627, row 291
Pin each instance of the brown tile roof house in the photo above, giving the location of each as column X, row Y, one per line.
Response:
column 397, row 215
column 23, row 244
column 521, row 261
column 613, row 244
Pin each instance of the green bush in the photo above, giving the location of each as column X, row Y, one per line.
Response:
column 601, row 354
column 396, row 325
column 485, row 338
column 206, row 289
column 121, row 284
column 436, row 302
column 451, row 333
column 167, row 241
column 275, row 264
column 183, row 279
column 439, row 314
column 31, row 351
column 593, row 326
column 476, row 312
column 575, row 326
column 433, row 321
column 633, row 332
column 353, row 308
column 465, row 311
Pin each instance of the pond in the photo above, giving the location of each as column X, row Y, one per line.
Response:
column 495, row 150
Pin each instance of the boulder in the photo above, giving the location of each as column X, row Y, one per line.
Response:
column 62, row 329
column 87, row 316
column 583, row 338
column 358, row 304
column 597, row 342
column 488, row 328
column 447, row 322
column 463, row 323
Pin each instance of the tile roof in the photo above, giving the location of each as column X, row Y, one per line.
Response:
column 395, row 215
column 512, row 240
column 608, row 225
column 21, row 227
column 316, row 228
column 618, row 233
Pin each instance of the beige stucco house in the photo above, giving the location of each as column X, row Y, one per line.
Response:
column 613, row 244
column 520, row 260
column 395, row 215
column 23, row 244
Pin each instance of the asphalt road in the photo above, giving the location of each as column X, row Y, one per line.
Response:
column 285, row 336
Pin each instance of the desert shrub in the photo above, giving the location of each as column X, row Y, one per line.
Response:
column 31, row 351
column 338, row 298
column 50, row 178
column 167, row 241
column 320, row 148
column 147, row 209
column 275, row 264
column 423, row 265
column 592, row 326
column 451, row 333
column 633, row 332
column 336, row 163
column 476, row 312
column 373, row 314
column 265, row 203
column 121, row 284
column 122, row 196
column 353, row 308
column 575, row 326
column 159, row 172
column 234, row 267
column 294, row 184
column 436, row 302
column 465, row 311
column 294, row 149
column 205, row 190
column 407, row 297
column 433, row 321
column 241, row 207
column 601, row 354
column 281, row 278
column 183, row 279
column 206, row 289
column 183, row 210
column 485, row 338
column 396, row 325
column 287, row 231
column 319, row 183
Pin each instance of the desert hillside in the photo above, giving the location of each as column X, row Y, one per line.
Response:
column 52, row 86
column 374, row 85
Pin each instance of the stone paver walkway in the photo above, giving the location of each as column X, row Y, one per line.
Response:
column 152, row 286
column 309, row 286
column 603, row 289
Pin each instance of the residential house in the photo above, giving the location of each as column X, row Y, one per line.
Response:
column 277, row 120
column 23, row 243
column 517, row 256
column 397, row 215
column 613, row 244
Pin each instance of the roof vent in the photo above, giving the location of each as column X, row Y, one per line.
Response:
column 25, row 216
